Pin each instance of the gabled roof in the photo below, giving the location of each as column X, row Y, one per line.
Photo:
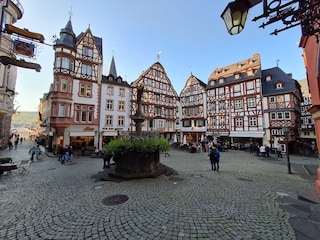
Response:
column 192, row 77
column 277, row 74
column 98, row 40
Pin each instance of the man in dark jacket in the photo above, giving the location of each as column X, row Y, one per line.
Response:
column 214, row 158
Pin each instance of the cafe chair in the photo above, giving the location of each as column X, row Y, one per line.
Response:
column 24, row 166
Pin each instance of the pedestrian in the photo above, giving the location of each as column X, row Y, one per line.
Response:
column 106, row 159
column 38, row 152
column 32, row 151
column 16, row 143
column 61, row 153
column 71, row 152
column 262, row 150
column 279, row 151
column 214, row 156
column 10, row 145
column 267, row 148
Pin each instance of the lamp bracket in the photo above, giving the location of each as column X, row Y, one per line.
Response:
column 293, row 13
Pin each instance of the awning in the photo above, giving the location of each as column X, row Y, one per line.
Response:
column 247, row 134
column 82, row 134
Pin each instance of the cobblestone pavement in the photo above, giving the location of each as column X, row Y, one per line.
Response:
column 241, row 201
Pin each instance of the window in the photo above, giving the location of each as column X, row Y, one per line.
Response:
column 273, row 116
column 239, row 122
column 87, row 52
column 85, row 90
column 110, row 90
column 272, row 99
column 109, row 104
column 268, row 78
column 249, row 85
column 121, row 121
column 56, row 86
column 62, row 110
column 237, row 76
column 287, row 115
column 58, row 62
column 64, row 85
column 280, row 99
column 280, row 115
column 221, row 80
column 187, row 123
column 221, row 91
column 161, row 123
column 238, row 104
column 212, row 83
column 86, row 69
column 279, row 85
column 150, row 83
column 88, row 90
column 222, row 120
column 252, row 121
column 65, row 63
column 236, row 88
column 251, row 102
column 108, row 120
column 121, row 106
column 83, row 113
column 222, row 105
column 122, row 92
column 214, row 121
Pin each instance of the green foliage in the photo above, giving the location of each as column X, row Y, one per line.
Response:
column 5, row 160
column 141, row 146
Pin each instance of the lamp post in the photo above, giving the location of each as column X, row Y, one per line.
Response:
column 235, row 16
column 286, row 130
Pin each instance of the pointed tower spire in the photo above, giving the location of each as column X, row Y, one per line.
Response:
column 112, row 68
column 67, row 36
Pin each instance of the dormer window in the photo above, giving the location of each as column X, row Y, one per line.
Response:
column 221, row 80
column 236, row 76
column 279, row 85
column 268, row 78
column 212, row 83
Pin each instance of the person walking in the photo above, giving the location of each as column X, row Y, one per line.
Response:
column 262, row 151
column 32, row 151
column 279, row 151
column 214, row 156
column 71, row 152
column 38, row 152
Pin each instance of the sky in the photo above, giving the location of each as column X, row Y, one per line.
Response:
column 190, row 34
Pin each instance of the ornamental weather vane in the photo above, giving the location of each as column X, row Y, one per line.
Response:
column 292, row 13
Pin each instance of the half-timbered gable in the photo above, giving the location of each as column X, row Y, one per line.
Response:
column 281, row 98
column 193, row 105
column 88, row 65
column 234, row 101
column 159, row 100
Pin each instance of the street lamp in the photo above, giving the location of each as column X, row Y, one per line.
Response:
column 286, row 130
column 235, row 16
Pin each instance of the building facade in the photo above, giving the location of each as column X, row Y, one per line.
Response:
column 159, row 102
column 11, row 11
column 114, row 106
column 234, row 103
column 281, row 103
column 75, row 92
column 193, row 111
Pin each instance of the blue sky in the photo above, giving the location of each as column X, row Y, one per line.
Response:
column 190, row 35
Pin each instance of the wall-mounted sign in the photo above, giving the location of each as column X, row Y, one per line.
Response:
column 23, row 48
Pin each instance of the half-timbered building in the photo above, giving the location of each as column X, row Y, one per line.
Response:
column 75, row 92
column 234, row 103
column 282, row 98
column 159, row 101
column 193, row 110
column 115, row 106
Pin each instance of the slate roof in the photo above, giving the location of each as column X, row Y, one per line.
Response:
column 67, row 36
column 98, row 40
column 277, row 74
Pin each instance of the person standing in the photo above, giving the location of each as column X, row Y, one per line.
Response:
column 37, row 152
column 71, row 153
column 262, row 151
column 214, row 158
